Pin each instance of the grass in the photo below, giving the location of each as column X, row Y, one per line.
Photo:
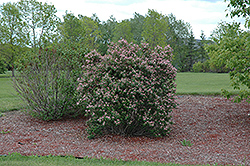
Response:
column 203, row 83
column 16, row 159
column 187, row 83
column 9, row 99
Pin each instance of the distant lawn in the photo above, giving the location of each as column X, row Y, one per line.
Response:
column 9, row 99
column 187, row 83
column 203, row 83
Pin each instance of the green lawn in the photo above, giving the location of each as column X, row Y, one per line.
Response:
column 203, row 83
column 187, row 83
column 9, row 99
column 18, row 160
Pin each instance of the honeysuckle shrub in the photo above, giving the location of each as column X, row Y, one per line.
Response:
column 130, row 91
column 47, row 81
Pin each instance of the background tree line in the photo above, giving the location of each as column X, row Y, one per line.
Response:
column 29, row 24
column 153, row 28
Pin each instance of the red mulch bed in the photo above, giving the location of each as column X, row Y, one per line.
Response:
column 218, row 129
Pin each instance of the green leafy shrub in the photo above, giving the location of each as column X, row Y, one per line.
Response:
column 47, row 81
column 129, row 92
column 198, row 67
column 239, row 64
column 201, row 66
column 217, row 65
column 230, row 52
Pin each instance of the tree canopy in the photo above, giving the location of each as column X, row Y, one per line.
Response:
column 239, row 8
column 12, row 32
column 40, row 22
column 155, row 29
column 37, row 26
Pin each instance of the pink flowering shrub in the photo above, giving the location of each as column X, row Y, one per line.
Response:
column 129, row 92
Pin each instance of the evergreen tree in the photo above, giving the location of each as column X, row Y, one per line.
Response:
column 203, row 55
column 191, row 52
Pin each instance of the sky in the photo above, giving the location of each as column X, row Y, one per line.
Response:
column 201, row 14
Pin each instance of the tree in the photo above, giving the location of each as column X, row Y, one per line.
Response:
column 202, row 52
column 239, row 8
column 218, row 60
column 95, row 18
column 231, row 49
column 155, row 29
column 81, row 30
column 191, row 53
column 2, row 65
column 92, row 32
column 107, row 34
column 41, row 22
column 123, row 30
column 72, row 29
column 137, row 27
column 12, row 33
column 239, row 63
column 240, row 52
column 178, row 33
column 189, row 56
column 202, row 63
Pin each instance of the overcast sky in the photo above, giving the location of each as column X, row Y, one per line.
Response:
column 201, row 14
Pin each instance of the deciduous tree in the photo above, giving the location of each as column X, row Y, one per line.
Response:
column 231, row 49
column 92, row 32
column 239, row 8
column 72, row 29
column 81, row 30
column 240, row 62
column 41, row 22
column 155, row 29
column 137, row 27
column 123, row 30
column 107, row 32
column 178, row 33
column 12, row 32
column 217, row 59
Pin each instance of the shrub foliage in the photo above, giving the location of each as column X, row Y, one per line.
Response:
column 130, row 91
column 47, row 81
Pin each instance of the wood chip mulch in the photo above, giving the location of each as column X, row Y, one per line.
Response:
column 218, row 129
